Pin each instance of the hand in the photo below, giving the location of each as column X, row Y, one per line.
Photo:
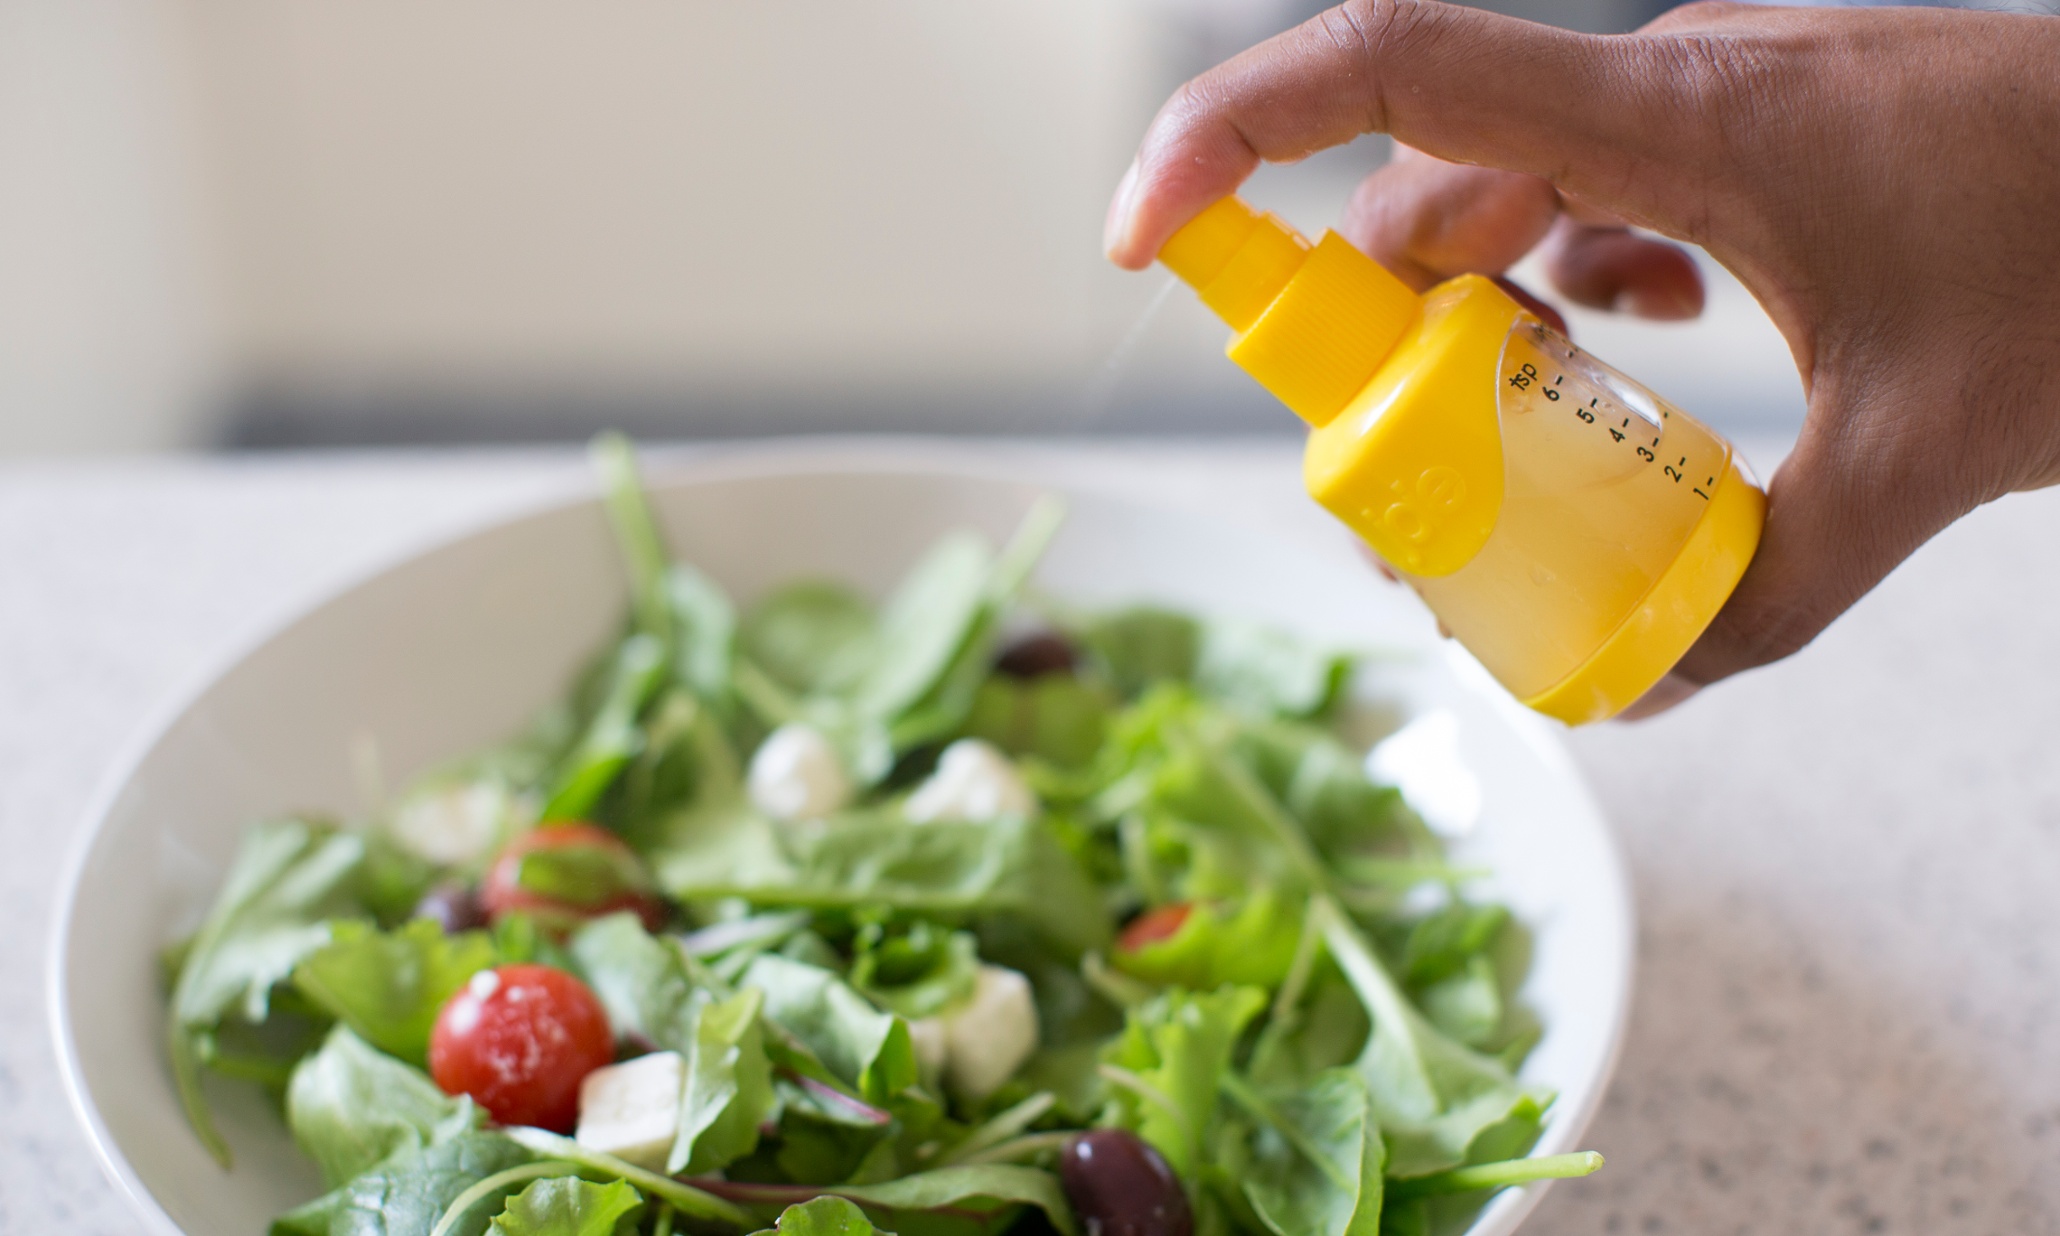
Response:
column 1885, row 181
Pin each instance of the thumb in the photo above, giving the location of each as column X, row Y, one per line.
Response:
column 1860, row 493
column 1598, row 116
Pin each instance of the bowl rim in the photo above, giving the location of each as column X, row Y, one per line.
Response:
column 677, row 465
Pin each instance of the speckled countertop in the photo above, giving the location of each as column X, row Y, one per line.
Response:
column 1847, row 867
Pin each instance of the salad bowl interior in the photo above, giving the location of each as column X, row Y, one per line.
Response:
column 458, row 646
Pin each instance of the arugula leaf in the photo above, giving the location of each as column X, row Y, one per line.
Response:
column 946, row 868
column 289, row 879
column 1318, row 1158
column 1168, row 1066
column 1435, row 1098
column 569, row 1206
column 811, row 637
column 729, row 1091
column 978, row 1200
column 351, row 1106
column 407, row 1194
column 389, row 985
column 864, row 1047
column 923, row 625
column 825, row 1216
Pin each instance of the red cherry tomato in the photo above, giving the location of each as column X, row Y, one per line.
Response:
column 520, row 1039
column 577, row 872
column 1156, row 924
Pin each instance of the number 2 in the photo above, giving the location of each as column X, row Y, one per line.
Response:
column 1674, row 472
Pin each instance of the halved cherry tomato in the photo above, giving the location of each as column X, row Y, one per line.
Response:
column 519, row 1039
column 1156, row 924
column 564, row 874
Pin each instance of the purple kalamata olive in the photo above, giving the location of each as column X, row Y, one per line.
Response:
column 1120, row 1186
column 1034, row 656
column 453, row 907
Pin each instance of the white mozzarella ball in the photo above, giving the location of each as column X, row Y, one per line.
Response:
column 453, row 824
column 796, row 774
column 973, row 782
column 632, row 1110
column 991, row 1034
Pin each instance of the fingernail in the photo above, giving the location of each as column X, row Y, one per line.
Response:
column 1117, row 226
column 1663, row 304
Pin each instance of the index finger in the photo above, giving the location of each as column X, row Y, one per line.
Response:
column 1463, row 84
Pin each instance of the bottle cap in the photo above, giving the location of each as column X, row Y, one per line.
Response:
column 1312, row 322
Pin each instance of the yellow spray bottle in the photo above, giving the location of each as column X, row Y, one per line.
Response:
column 1575, row 532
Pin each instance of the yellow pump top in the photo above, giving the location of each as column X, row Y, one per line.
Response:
column 1573, row 530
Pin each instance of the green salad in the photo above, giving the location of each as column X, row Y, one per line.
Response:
column 963, row 913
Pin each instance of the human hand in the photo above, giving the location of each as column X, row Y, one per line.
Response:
column 1885, row 181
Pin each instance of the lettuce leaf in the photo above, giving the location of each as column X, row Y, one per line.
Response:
column 1317, row 1159
column 1168, row 1066
column 569, row 1206
column 407, row 1194
column 861, row 1045
column 825, row 1216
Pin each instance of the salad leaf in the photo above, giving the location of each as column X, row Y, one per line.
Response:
column 1251, row 943
column 729, row 1091
column 1267, row 671
column 1058, row 718
column 569, row 1206
column 1168, row 1067
column 642, row 981
column 351, row 1106
column 979, row 1200
column 1435, row 1098
column 1317, row 1159
column 612, row 737
column 389, row 985
column 407, row 1194
column 914, row 968
column 811, row 637
column 289, row 878
column 1143, row 645
column 825, row 1216
column 923, row 625
column 862, row 1046
column 945, row 868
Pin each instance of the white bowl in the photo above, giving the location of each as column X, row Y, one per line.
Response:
column 458, row 645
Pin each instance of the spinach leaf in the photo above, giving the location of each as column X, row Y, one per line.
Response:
column 729, row 1089
column 811, row 637
column 351, row 1106
column 389, row 985
column 981, row 1200
column 1435, row 1098
column 1168, row 1065
column 1317, row 1158
column 862, row 1046
column 288, row 880
column 407, row 1194
column 825, row 1216
column 569, row 1206
column 923, row 625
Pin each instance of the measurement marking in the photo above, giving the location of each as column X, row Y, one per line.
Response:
column 1683, row 463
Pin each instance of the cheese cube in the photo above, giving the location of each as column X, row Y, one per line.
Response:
column 991, row 1034
column 974, row 782
column 632, row 1110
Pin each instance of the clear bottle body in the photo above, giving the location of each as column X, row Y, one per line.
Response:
column 1604, row 483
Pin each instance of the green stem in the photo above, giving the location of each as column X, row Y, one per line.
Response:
column 1019, row 1149
column 496, row 1183
column 685, row 1198
column 636, row 531
column 1000, row 1129
column 1496, row 1175
column 663, row 1225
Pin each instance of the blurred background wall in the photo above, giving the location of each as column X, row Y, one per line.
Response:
column 305, row 222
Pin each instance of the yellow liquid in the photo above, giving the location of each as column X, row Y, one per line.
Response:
column 1604, row 482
